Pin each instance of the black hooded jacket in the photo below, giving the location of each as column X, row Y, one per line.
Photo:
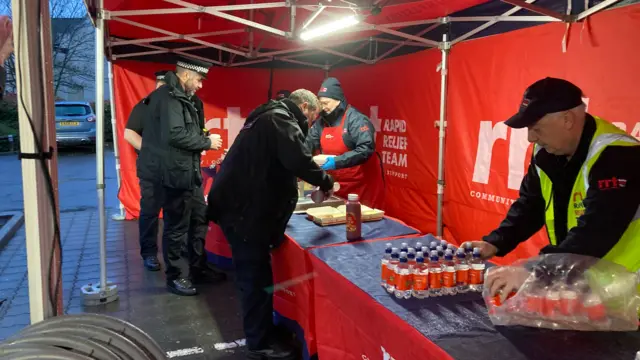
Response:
column 172, row 139
column 360, row 136
column 256, row 189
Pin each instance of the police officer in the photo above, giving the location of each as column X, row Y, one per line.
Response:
column 171, row 152
column 253, row 198
column 150, row 191
column 583, row 184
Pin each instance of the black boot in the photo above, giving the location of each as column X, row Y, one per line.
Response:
column 207, row 275
column 182, row 287
column 275, row 351
column 151, row 263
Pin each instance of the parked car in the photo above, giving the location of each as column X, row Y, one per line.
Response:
column 75, row 124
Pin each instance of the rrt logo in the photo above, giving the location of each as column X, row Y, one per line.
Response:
column 613, row 183
column 232, row 123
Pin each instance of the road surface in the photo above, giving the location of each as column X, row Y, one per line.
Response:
column 76, row 181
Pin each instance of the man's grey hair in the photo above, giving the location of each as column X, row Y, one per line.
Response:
column 301, row 96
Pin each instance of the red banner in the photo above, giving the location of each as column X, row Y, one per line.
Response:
column 229, row 95
column 486, row 160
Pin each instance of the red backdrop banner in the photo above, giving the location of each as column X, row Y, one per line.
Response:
column 486, row 160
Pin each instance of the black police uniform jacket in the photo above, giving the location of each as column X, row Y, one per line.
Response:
column 173, row 138
column 255, row 190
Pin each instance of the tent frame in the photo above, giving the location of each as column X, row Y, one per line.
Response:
column 38, row 104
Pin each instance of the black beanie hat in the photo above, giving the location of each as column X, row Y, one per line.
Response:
column 331, row 88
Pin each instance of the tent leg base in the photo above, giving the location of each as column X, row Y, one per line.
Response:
column 93, row 295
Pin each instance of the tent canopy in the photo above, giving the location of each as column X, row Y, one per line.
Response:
column 265, row 33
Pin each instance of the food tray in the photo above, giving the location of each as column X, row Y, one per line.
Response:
column 328, row 215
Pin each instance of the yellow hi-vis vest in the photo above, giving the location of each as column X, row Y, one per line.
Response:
column 627, row 251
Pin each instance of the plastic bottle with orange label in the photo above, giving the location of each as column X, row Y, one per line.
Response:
column 448, row 274
column 462, row 271
column 404, row 278
column 420, row 278
column 384, row 265
column 435, row 275
column 391, row 268
column 476, row 272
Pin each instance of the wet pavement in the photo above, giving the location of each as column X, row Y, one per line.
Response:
column 201, row 325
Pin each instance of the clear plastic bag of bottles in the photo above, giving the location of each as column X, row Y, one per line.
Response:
column 565, row 291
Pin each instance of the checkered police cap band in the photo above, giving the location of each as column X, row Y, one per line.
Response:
column 196, row 68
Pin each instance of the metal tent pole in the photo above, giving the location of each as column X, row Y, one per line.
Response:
column 116, row 150
column 442, row 124
column 34, row 73
column 104, row 292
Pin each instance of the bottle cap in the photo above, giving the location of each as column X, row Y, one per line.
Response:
column 434, row 256
column 448, row 256
column 448, row 251
column 353, row 197
column 420, row 254
column 418, row 245
column 439, row 248
column 388, row 250
column 420, row 259
column 394, row 250
column 425, row 250
column 404, row 260
column 404, row 245
column 389, row 245
column 403, row 254
column 433, row 244
column 476, row 252
column 412, row 251
column 461, row 254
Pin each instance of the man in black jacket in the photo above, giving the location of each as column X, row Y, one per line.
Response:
column 253, row 198
column 171, row 156
column 583, row 184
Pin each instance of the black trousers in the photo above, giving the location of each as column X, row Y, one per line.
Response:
column 151, row 201
column 254, row 280
column 184, row 221
column 198, row 227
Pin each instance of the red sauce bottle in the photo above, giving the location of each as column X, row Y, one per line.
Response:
column 354, row 218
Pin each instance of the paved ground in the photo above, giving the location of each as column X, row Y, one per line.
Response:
column 76, row 181
column 175, row 322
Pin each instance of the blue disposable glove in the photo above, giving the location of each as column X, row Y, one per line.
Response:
column 330, row 164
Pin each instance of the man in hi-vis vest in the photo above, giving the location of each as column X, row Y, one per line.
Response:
column 583, row 184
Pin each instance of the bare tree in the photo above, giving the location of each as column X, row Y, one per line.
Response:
column 73, row 47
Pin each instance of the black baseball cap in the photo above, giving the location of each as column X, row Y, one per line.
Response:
column 544, row 97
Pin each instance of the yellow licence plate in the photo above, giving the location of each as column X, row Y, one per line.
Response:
column 69, row 123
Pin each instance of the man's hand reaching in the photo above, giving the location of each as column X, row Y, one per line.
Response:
column 487, row 250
